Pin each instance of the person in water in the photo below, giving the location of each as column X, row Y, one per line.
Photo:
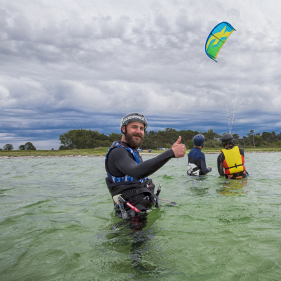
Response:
column 127, row 173
column 231, row 160
column 196, row 158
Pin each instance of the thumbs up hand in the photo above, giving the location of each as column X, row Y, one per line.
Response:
column 178, row 148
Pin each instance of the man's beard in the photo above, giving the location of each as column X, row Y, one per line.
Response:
column 132, row 142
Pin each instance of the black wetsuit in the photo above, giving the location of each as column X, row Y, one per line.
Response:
column 120, row 163
column 221, row 158
column 197, row 157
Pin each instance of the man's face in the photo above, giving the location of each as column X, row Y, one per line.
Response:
column 135, row 134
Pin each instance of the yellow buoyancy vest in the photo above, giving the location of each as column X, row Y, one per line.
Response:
column 233, row 160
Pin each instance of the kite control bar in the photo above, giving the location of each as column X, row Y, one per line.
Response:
column 121, row 200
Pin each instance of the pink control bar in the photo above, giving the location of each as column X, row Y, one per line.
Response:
column 132, row 207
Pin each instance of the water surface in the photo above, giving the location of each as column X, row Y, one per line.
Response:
column 57, row 223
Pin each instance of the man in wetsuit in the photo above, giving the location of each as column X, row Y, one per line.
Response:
column 231, row 160
column 196, row 158
column 126, row 171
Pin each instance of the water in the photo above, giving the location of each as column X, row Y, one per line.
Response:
column 57, row 223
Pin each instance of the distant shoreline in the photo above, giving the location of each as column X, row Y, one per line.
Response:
column 50, row 156
column 103, row 155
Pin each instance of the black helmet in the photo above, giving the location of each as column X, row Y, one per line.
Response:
column 227, row 139
column 133, row 117
column 198, row 140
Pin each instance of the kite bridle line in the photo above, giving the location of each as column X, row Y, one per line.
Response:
column 228, row 118
column 236, row 88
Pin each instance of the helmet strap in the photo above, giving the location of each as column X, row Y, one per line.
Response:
column 124, row 133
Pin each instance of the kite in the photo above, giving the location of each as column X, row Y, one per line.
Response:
column 217, row 38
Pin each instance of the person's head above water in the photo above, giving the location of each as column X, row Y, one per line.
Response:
column 132, row 117
column 133, row 126
column 227, row 139
column 198, row 140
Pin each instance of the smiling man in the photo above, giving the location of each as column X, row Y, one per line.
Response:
column 126, row 171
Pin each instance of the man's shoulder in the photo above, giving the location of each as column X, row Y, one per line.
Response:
column 118, row 144
column 241, row 150
column 116, row 148
column 201, row 154
column 195, row 149
column 196, row 153
column 220, row 155
column 192, row 152
column 119, row 152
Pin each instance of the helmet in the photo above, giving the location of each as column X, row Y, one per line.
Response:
column 227, row 139
column 198, row 140
column 133, row 117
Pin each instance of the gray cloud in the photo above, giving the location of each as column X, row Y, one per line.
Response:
column 74, row 66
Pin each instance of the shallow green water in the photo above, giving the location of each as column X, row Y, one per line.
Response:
column 57, row 223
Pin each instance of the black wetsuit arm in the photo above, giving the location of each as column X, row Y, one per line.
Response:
column 220, row 160
column 203, row 167
column 241, row 151
column 120, row 163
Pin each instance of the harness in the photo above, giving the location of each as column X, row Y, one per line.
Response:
column 193, row 170
column 140, row 193
column 239, row 175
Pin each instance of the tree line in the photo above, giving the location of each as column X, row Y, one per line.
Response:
column 28, row 146
column 82, row 139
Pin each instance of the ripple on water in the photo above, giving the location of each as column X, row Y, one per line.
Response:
column 57, row 223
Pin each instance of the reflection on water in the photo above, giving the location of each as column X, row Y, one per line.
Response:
column 132, row 238
column 198, row 185
column 135, row 224
column 233, row 187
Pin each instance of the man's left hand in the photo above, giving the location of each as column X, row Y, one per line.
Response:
column 179, row 148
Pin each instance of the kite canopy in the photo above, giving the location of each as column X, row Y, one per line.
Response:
column 217, row 38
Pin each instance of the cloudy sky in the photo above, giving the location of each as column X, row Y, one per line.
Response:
column 68, row 64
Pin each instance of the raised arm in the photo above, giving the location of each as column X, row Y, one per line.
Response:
column 121, row 163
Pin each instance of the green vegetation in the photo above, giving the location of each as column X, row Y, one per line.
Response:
column 87, row 142
column 82, row 139
column 8, row 146
column 27, row 146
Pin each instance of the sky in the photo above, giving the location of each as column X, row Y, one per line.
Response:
column 84, row 64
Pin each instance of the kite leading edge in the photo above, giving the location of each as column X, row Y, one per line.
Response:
column 217, row 38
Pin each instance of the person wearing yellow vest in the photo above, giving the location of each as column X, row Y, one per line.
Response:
column 231, row 160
